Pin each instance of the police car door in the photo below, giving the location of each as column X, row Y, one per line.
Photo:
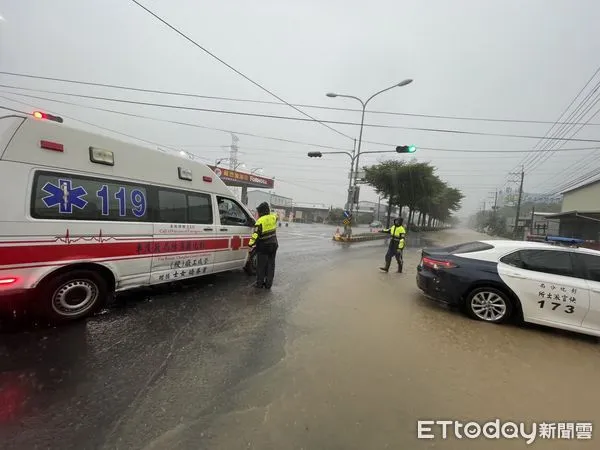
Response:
column 236, row 226
column 547, row 286
column 588, row 266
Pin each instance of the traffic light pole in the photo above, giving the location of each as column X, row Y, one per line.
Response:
column 353, row 174
column 350, row 199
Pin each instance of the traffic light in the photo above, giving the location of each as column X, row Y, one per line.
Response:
column 406, row 149
column 45, row 116
column 314, row 154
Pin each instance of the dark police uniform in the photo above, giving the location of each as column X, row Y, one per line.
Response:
column 396, row 246
column 265, row 239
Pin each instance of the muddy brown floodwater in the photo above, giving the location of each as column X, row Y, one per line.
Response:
column 366, row 356
column 336, row 356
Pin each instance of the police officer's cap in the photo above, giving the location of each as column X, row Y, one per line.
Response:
column 263, row 208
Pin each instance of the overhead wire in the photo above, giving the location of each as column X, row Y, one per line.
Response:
column 13, row 110
column 273, row 116
column 229, row 66
column 176, row 122
column 195, row 125
column 147, row 141
column 543, row 157
column 582, row 179
column 523, row 162
column 581, row 163
column 265, row 102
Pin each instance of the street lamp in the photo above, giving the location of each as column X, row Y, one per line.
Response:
column 364, row 104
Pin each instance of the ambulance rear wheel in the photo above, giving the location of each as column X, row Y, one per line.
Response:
column 74, row 295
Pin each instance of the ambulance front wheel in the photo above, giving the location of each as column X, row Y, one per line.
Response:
column 74, row 295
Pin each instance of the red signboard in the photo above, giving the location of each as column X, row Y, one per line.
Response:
column 240, row 179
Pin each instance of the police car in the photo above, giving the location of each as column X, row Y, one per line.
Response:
column 495, row 280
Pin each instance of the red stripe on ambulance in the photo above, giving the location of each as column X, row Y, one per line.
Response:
column 32, row 254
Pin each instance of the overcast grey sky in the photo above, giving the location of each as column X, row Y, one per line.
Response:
column 511, row 59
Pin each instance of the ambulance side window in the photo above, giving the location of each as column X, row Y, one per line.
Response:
column 172, row 206
column 232, row 214
column 200, row 209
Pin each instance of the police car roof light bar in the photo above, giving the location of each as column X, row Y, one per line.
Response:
column 564, row 240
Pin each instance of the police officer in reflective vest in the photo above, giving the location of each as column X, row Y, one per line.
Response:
column 396, row 246
column 265, row 240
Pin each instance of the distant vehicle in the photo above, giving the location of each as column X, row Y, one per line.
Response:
column 495, row 280
column 376, row 224
column 84, row 216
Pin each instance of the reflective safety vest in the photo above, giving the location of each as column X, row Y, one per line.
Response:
column 265, row 229
column 397, row 234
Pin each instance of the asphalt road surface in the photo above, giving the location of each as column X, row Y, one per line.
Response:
column 336, row 356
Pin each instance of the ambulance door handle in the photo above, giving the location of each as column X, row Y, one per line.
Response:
column 208, row 229
column 223, row 229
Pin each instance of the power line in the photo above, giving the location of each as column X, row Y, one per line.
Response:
column 175, row 122
column 565, row 130
column 260, row 86
column 581, row 180
column 522, row 163
column 97, row 126
column 524, row 160
column 265, row 102
column 13, row 110
column 195, row 125
column 272, row 116
column 580, row 163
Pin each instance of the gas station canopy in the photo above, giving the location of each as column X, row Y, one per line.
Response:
column 242, row 179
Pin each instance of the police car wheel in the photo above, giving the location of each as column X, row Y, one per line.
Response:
column 74, row 295
column 489, row 305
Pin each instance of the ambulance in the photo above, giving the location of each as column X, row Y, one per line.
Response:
column 83, row 216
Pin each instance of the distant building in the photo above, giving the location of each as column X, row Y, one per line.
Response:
column 256, row 197
column 580, row 213
column 585, row 197
column 378, row 209
column 308, row 212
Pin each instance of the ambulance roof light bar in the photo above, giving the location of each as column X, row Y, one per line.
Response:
column 45, row 116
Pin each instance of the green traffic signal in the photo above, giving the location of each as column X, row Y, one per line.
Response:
column 406, row 149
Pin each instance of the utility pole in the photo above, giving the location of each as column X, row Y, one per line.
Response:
column 519, row 202
column 495, row 203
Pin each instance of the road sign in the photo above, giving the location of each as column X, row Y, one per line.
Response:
column 347, row 214
column 346, row 222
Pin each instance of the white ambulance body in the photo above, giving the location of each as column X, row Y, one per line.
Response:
column 83, row 215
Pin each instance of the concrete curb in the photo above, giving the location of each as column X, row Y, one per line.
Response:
column 362, row 237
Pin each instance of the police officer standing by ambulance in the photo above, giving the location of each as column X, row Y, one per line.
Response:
column 265, row 240
column 396, row 245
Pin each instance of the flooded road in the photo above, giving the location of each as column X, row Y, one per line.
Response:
column 336, row 356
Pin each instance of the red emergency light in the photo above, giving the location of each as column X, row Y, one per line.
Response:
column 45, row 116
